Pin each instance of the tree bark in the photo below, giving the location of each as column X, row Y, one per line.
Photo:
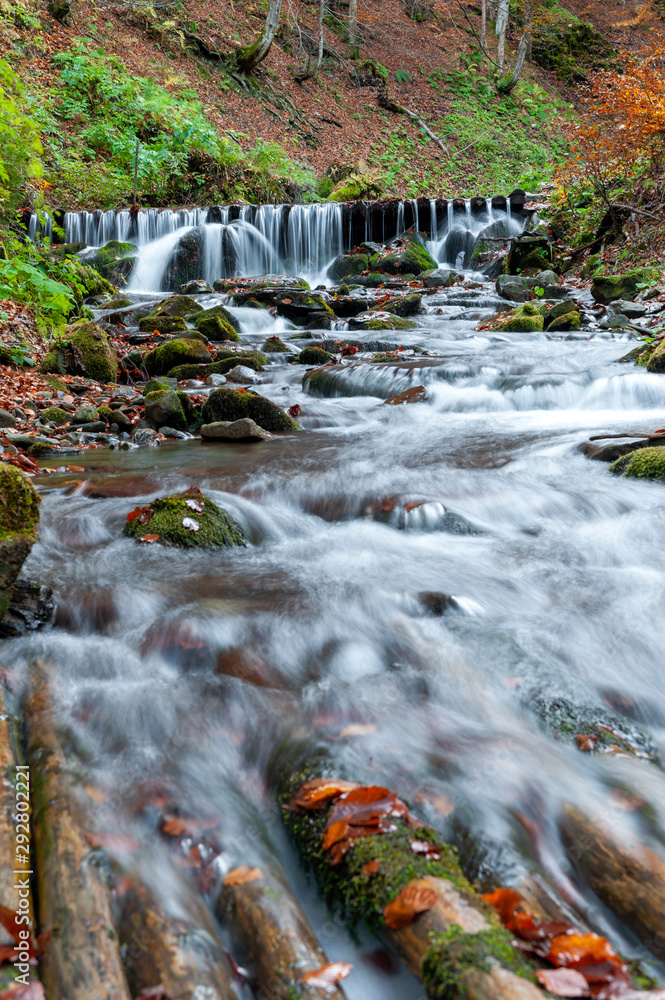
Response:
column 483, row 25
column 353, row 22
column 501, row 28
column 312, row 69
column 274, row 935
column 249, row 56
column 522, row 49
column 82, row 960
column 172, row 942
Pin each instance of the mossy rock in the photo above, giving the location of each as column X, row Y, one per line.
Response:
column 276, row 281
column 19, row 520
column 567, row 45
column 569, row 321
column 39, row 449
column 169, row 408
column 116, row 302
column 525, row 319
column 191, row 335
column 162, row 324
column 216, row 528
column 359, row 185
column 250, row 359
column 217, row 329
column 273, row 345
column 414, row 259
column 403, row 305
column 173, row 353
column 234, row 404
column 347, row 265
column 529, row 253
column 218, row 310
column 114, row 261
column 655, row 361
column 380, row 321
column 645, row 463
column 384, row 356
column 83, row 350
column 593, row 266
column 607, row 288
column 177, row 305
column 314, row 356
column 567, row 720
column 156, row 385
column 255, row 304
column 56, row 415
column 57, row 384
column 454, row 956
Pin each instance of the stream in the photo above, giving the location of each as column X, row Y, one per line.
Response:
column 183, row 671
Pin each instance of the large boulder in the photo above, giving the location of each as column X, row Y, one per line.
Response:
column 401, row 305
column 250, row 359
column 176, row 352
column 438, row 277
column 514, row 288
column 525, row 319
column 347, row 265
column 19, row 519
column 114, row 261
column 186, row 263
column 372, row 320
column 169, row 408
column 233, row 404
column 217, row 323
column 411, row 258
column 188, row 520
column 83, row 350
column 606, row 288
column 529, row 253
column 644, row 463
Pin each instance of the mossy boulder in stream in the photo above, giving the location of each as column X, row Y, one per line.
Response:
column 83, row 350
column 414, row 258
column 222, row 312
column 402, row 305
column 162, row 324
column 173, row 353
column 607, row 288
column 594, row 729
column 645, row 463
column 115, row 261
column 56, row 415
column 525, row 319
column 187, row 520
column 250, row 359
column 169, row 316
column 217, row 329
column 234, row 404
column 347, row 265
column 380, row 321
column 314, row 356
column 655, row 360
column 169, row 408
column 19, row 519
column 273, row 345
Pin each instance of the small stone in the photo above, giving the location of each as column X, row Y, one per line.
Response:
column 85, row 414
column 195, row 288
column 242, row 374
column 633, row 310
column 234, row 430
column 215, row 380
column 7, row 419
column 438, row 277
column 145, row 437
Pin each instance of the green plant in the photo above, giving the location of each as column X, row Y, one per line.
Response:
column 20, row 147
column 28, row 282
column 403, row 77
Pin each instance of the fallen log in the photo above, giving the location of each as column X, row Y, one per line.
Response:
column 168, row 938
column 405, row 883
column 273, row 934
column 82, row 958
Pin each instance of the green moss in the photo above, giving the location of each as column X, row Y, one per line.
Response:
column 231, row 404
column 273, row 345
column 57, row 384
column 215, row 328
column 250, row 359
column 569, row 321
column 314, row 356
column 404, row 305
column 178, row 305
column 386, row 356
column 169, row 407
column 414, row 259
column 19, row 519
column 173, row 353
column 394, row 323
column 114, row 261
column 56, row 415
column 567, row 720
column 217, row 529
column 607, row 288
column 645, row 463
column 83, row 350
column 347, row 265
column 155, row 385
column 222, row 312
column 39, row 449
column 452, row 955
column 567, row 45
column 162, row 324
column 654, row 360
column 525, row 319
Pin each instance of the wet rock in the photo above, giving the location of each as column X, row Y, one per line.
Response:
column 171, row 432
column 162, row 324
column 373, row 280
column 347, row 265
column 438, row 277
column 145, row 437
column 656, row 359
column 115, row 261
column 7, row 419
column 514, row 288
column 618, row 322
column 242, row 374
column 345, row 306
column 314, row 356
column 19, row 520
column 217, row 329
column 613, row 450
column 230, row 404
column 414, row 258
column 174, row 353
column 221, row 312
column 215, row 380
column 436, row 602
column 169, row 407
column 121, row 420
column 85, row 414
column 273, row 345
column 403, row 305
column 525, row 319
column 84, row 350
column 494, row 268
column 251, row 359
column 244, row 429
column 633, row 310
column 604, row 730
column 187, row 520
column 56, row 415
column 642, row 463
column 196, row 287
column 561, row 309
column 30, row 608
column 380, row 321
column 187, row 259
column 416, row 394
column 608, row 288
column 545, row 278
column 529, row 253
column 569, row 321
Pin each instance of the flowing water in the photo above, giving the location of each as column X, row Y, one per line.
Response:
column 188, row 669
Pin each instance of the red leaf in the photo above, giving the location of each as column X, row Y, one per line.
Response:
column 409, row 902
column 327, row 975
column 146, row 514
column 372, row 867
column 563, row 982
column 8, row 921
column 294, row 411
column 135, row 513
column 192, row 491
column 149, row 538
column 585, row 741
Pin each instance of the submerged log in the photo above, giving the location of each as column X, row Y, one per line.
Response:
column 171, row 941
column 625, row 874
column 449, row 937
column 273, row 933
column 82, row 958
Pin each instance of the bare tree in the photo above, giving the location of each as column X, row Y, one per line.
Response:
column 249, row 56
column 501, row 28
column 353, row 22
column 313, row 68
column 523, row 50
column 483, row 24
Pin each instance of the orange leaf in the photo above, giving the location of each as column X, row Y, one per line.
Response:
column 242, row 875
column 569, row 949
column 372, row 867
column 149, row 538
column 585, row 741
column 337, row 831
column 317, row 793
column 506, row 901
column 327, row 975
column 116, row 843
column 563, row 982
column 409, row 902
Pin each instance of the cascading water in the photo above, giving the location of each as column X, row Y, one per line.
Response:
column 231, row 241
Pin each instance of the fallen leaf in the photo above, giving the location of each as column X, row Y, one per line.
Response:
column 585, row 741
column 242, row 875
column 422, row 847
column 135, row 513
column 409, row 902
column 358, row 729
column 193, row 491
column 149, row 538
column 317, row 793
column 114, row 842
column 196, row 505
column 190, row 523
column 335, row 832
column 563, row 982
column 294, row 411
column 74, row 468
column 31, row 991
column 327, row 975
column 372, row 867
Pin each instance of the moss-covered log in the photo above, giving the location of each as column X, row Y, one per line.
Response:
column 172, row 942
column 626, row 875
column 273, row 934
column 82, row 960
column 457, row 946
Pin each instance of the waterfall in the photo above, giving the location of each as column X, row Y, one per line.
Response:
column 433, row 224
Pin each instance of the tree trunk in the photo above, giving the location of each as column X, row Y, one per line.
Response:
column 501, row 28
column 249, row 56
column 82, row 960
column 522, row 49
column 528, row 26
column 312, row 69
column 483, row 26
column 353, row 22
column 172, row 942
column 275, row 938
